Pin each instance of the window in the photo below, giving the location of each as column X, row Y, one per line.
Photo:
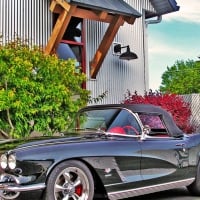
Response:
column 72, row 44
column 127, row 121
column 111, row 120
column 96, row 119
column 154, row 121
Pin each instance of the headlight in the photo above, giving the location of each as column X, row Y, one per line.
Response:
column 3, row 161
column 12, row 161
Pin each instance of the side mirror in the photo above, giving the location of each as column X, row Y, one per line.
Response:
column 146, row 130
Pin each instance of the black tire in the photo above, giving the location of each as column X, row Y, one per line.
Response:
column 194, row 188
column 70, row 180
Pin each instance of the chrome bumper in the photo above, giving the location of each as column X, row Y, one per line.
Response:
column 11, row 186
column 20, row 188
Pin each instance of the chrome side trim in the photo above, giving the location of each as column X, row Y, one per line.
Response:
column 11, row 183
column 21, row 188
column 149, row 189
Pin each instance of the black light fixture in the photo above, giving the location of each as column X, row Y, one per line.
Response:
column 128, row 55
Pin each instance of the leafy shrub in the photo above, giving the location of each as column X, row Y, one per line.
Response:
column 37, row 92
column 173, row 103
column 182, row 78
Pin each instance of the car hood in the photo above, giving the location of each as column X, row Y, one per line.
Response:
column 12, row 144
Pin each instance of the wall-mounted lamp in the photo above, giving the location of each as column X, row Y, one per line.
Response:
column 128, row 55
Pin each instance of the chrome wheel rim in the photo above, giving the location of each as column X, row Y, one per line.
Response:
column 71, row 184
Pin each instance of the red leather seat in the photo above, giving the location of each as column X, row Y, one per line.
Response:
column 117, row 129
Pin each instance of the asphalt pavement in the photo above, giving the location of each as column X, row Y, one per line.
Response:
column 175, row 194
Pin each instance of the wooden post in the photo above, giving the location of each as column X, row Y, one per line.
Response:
column 61, row 24
column 51, row 43
column 108, row 38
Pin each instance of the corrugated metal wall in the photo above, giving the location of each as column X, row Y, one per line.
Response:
column 32, row 19
column 117, row 76
column 27, row 19
column 194, row 103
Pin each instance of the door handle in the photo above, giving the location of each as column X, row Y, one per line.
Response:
column 181, row 145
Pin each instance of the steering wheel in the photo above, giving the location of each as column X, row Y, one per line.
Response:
column 128, row 127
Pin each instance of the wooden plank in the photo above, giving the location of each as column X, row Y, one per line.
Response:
column 52, row 6
column 103, row 15
column 63, row 4
column 58, row 9
column 64, row 26
column 66, row 11
column 92, row 15
column 55, row 3
column 130, row 20
column 108, row 38
column 56, row 30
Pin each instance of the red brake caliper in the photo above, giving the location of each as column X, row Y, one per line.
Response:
column 79, row 190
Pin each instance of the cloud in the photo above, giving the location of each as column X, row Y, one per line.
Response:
column 177, row 40
column 189, row 12
column 162, row 49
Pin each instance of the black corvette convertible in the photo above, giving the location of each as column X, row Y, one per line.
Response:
column 114, row 152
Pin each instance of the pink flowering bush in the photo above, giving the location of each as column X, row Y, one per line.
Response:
column 179, row 109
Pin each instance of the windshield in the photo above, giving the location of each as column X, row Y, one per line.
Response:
column 109, row 120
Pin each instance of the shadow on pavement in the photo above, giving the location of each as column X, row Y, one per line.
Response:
column 175, row 194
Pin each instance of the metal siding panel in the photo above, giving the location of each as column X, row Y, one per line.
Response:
column 28, row 19
column 117, row 76
column 32, row 19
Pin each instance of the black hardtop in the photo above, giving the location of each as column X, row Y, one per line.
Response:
column 144, row 108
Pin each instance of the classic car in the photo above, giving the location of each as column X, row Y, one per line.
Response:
column 114, row 152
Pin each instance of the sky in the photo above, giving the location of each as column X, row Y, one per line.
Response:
column 177, row 37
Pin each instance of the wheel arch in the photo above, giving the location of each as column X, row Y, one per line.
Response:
column 99, row 188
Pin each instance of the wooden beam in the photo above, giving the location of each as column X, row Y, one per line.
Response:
column 53, row 6
column 92, row 15
column 67, row 11
column 64, row 26
column 103, row 15
column 56, row 30
column 59, row 28
column 58, row 9
column 108, row 38
column 63, row 4
column 130, row 20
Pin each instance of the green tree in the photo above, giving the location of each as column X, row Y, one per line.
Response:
column 182, row 78
column 37, row 92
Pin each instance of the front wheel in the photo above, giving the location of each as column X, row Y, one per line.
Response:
column 194, row 188
column 70, row 180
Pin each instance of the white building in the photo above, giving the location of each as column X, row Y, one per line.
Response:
column 90, row 29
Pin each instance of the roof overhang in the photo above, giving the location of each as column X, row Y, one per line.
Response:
column 109, row 6
column 114, row 12
column 162, row 7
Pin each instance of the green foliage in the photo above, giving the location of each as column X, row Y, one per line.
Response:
column 98, row 98
column 182, row 78
column 38, row 92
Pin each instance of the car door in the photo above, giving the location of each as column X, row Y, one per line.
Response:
column 119, row 164
column 126, row 150
column 164, row 158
